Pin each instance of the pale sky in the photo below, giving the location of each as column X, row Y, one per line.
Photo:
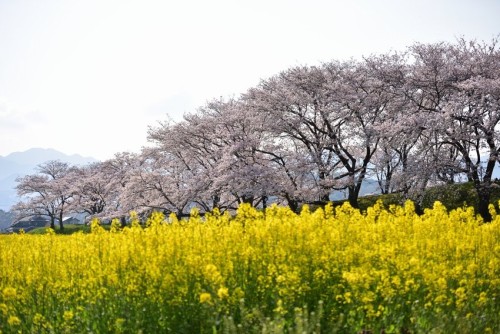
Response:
column 88, row 77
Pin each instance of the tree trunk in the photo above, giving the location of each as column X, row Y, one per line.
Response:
column 387, row 186
column 483, row 188
column 353, row 193
column 61, row 224
column 292, row 204
column 247, row 199
column 53, row 222
column 264, row 202
column 353, row 189
column 215, row 201
column 484, row 194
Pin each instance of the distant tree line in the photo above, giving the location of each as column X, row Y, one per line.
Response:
column 426, row 116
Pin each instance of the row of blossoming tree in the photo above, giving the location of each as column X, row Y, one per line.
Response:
column 409, row 120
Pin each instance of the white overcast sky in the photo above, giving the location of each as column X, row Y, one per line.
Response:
column 88, row 77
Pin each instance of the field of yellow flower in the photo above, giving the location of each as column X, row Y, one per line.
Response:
column 331, row 270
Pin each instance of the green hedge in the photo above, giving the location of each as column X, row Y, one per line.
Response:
column 452, row 196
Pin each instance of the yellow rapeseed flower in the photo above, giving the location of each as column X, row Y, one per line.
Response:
column 4, row 309
column 38, row 319
column 375, row 266
column 223, row 293
column 205, row 297
column 442, row 284
column 14, row 321
column 68, row 315
column 9, row 293
column 483, row 298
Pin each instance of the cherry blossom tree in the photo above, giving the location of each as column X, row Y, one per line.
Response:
column 393, row 165
column 242, row 171
column 361, row 103
column 329, row 113
column 220, row 143
column 195, row 144
column 45, row 193
column 94, row 187
column 456, row 88
column 117, row 172
column 295, row 106
column 162, row 182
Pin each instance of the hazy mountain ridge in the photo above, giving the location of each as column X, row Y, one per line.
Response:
column 35, row 156
column 6, row 219
column 18, row 164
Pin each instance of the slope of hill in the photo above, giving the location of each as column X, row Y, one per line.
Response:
column 21, row 163
column 35, row 156
column 5, row 219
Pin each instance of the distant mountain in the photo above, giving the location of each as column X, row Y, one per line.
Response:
column 5, row 219
column 35, row 156
column 22, row 163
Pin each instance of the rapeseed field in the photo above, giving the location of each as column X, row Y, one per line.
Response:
column 334, row 270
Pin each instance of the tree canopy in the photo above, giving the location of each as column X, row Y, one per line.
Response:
column 426, row 116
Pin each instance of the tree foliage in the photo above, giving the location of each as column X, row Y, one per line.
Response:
column 410, row 120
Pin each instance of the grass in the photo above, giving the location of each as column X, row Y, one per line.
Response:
column 68, row 229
